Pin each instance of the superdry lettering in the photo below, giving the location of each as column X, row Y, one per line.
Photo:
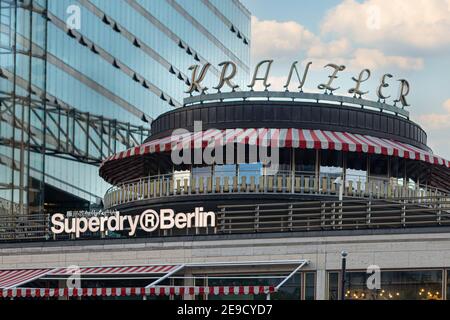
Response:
column 148, row 221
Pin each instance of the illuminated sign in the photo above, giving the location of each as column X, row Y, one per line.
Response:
column 148, row 221
column 229, row 71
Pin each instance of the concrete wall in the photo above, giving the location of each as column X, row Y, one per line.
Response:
column 387, row 250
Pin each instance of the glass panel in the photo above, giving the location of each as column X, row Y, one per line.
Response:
column 356, row 168
column 291, row 290
column 310, row 286
column 378, row 167
column 333, row 286
column 305, row 161
column 331, row 164
column 396, row 285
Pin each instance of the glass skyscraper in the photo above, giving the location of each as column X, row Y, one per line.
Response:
column 82, row 79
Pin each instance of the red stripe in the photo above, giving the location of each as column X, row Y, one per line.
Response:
column 356, row 142
column 317, row 142
column 288, row 141
column 302, row 139
column 331, row 143
column 345, row 145
column 261, row 133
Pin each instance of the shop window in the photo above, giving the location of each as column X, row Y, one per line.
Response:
column 305, row 161
column 448, row 285
column 396, row 285
column 333, row 286
column 356, row 168
column 284, row 164
column 331, row 164
column 378, row 167
column 397, row 169
column 310, row 286
column 291, row 290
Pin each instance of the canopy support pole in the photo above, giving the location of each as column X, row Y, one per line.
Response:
column 305, row 262
column 167, row 275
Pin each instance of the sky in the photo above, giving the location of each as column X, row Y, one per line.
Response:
column 409, row 39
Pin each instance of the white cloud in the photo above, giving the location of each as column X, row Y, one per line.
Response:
column 437, row 121
column 447, row 105
column 422, row 24
column 289, row 41
column 283, row 40
column 375, row 59
column 335, row 48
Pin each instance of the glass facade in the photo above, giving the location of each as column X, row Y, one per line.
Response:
column 358, row 169
column 395, row 285
column 124, row 61
column 300, row 286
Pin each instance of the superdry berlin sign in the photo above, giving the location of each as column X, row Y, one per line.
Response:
column 148, row 221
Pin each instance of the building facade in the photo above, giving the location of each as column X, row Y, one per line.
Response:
column 235, row 194
column 83, row 79
column 349, row 178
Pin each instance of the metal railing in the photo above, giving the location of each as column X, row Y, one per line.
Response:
column 349, row 214
column 288, row 183
column 24, row 227
column 329, row 215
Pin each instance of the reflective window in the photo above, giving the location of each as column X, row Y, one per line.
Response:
column 291, row 290
column 310, row 286
column 356, row 169
column 333, row 286
column 305, row 161
column 331, row 164
column 396, row 285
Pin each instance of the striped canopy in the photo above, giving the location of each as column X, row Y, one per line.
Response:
column 134, row 270
column 13, row 278
column 289, row 138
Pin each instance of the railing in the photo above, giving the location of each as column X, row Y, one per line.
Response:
column 319, row 216
column 287, row 183
column 20, row 227
column 349, row 214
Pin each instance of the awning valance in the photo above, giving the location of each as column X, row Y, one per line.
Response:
column 289, row 138
column 130, row 292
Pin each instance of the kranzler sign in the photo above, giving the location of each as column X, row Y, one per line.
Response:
column 262, row 70
column 147, row 221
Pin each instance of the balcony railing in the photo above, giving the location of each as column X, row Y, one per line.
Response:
column 338, row 215
column 283, row 183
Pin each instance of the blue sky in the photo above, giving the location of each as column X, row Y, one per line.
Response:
column 409, row 39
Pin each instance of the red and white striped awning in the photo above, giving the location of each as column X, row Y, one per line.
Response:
column 130, row 292
column 289, row 138
column 135, row 270
column 14, row 278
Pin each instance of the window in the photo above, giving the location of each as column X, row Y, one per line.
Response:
column 333, row 286
column 310, row 286
column 305, row 161
column 291, row 290
column 396, row 285
column 331, row 164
